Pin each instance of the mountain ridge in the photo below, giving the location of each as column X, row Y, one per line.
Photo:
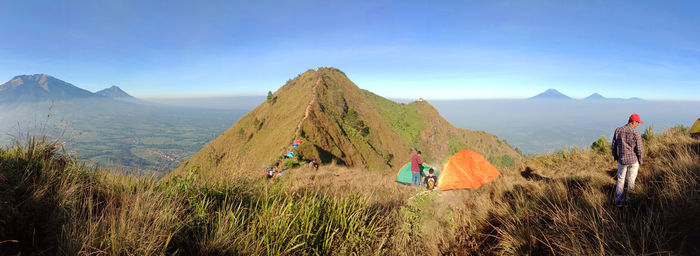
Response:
column 43, row 87
column 341, row 123
column 39, row 87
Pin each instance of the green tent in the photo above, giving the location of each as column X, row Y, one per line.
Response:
column 405, row 176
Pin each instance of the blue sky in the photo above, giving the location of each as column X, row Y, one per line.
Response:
column 402, row 49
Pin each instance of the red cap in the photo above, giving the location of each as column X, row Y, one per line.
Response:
column 635, row 117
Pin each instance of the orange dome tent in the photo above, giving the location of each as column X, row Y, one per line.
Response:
column 466, row 169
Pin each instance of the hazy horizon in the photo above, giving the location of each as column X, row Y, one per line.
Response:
column 164, row 97
column 196, row 97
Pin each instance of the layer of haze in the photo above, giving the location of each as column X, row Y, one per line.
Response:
column 538, row 126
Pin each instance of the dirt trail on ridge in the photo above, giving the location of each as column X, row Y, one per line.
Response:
column 308, row 106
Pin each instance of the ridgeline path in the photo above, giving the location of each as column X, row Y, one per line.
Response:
column 308, row 107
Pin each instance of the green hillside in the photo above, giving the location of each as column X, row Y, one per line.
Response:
column 339, row 123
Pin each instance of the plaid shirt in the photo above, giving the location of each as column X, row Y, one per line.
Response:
column 627, row 145
column 416, row 163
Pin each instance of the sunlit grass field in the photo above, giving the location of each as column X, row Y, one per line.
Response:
column 52, row 204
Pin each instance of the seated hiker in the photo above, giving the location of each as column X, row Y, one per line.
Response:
column 430, row 180
column 278, row 172
column 314, row 163
column 288, row 155
column 270, row 172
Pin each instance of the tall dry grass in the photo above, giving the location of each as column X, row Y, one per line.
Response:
column 569, row 210
column 54, row 205
column 558, row 203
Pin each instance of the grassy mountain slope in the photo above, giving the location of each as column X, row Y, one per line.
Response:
column 341, row 123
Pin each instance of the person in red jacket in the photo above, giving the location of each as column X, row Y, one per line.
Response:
column 415, row 169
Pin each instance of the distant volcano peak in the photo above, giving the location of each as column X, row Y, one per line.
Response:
column 551, row 94
column 595, row 96
column 114, row 92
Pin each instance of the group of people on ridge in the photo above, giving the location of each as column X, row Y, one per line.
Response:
column 274, row 171
column 429, row 181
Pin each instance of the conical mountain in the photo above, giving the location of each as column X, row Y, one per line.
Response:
column 551, row 94
column 39, row 87
column 338, row 122
column 595, row 96
column 113, row 92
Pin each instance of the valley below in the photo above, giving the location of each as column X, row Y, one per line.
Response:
column 143, row 139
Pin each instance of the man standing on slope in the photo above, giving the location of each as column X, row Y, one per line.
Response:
column 415, row 169
column 627, row 149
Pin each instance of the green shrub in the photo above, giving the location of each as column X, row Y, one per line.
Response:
column 353, row 123
column 388, row 158
column 454, row 146
column 271, row 98
column 602, row 145
column 519, row 151
column 290, row 163
column 502, row 161
column 648, row 133
column 563, row 153
column 679, row 129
